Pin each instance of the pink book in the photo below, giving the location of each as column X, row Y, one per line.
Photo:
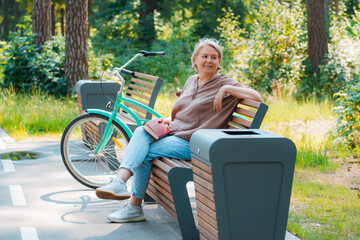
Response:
column 156, row 129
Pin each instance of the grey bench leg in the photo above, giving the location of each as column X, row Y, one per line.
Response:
column 178, row 177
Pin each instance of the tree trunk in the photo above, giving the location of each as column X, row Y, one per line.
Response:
column 41, row 20
column 6, row 20
column 76, row 37
column 53, row 21
column 16, row 14
column 317, row 39
column 62, row 12
column 146, row 21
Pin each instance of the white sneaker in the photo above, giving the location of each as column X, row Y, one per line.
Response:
column 128, row 213
column 116, row 189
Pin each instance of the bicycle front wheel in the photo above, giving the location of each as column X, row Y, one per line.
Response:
column 78, row 143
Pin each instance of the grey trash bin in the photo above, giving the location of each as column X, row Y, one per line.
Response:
column 243, row 181
column 94, row 94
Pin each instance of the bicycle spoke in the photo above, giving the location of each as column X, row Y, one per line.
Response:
column 80, row 141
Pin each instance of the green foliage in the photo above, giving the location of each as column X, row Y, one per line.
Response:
column 269, row 56
column 348, row 125
column 342, row 63
column 114, row 26
column 174, row 67
column 342, row 76
column 50, row 64
column 18, row 71
column 26, row 66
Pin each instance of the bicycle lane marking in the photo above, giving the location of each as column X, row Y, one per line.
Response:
column 18, row 199
column 8, row 165
column 17, row 195
column 29, row 233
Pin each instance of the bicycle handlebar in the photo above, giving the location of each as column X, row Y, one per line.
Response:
column 147, row 54
column 122, row 69
column 128, row 72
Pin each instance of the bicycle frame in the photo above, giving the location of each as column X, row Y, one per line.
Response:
column 119, row 105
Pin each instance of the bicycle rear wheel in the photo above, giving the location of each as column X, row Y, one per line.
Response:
column 79, row 140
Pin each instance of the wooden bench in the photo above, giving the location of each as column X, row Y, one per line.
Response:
column 169, row 177
column 142, row 88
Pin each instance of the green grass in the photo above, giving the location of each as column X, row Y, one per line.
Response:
column 323, row 211
column 35, row 115
column 287, row 109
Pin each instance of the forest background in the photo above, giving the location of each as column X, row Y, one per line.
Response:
column 302, row 55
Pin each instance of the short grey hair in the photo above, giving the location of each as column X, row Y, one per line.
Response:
column 202, row 43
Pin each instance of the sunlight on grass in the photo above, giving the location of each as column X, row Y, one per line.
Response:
column 164, row 104
column 287, row 109
column 323, row 211
column 35, row 114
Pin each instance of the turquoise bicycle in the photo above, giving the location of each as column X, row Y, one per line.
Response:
column 93, row 144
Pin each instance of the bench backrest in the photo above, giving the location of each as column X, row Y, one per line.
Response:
column 143, row 88
column 248, row 114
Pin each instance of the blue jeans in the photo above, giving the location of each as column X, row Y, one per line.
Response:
column 142, row 149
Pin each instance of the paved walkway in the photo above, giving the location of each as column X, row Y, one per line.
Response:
column 40, row 200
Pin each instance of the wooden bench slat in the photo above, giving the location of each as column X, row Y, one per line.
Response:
column 130, row 105
column 142, row 82
column 165, row 203
column 203, row 237
column 126, row 118
column 201, row 165
column 145, row 76
column 208, row 202
column 208, row 227
column 204, row 175
column 183, row 164
column 170, row 162
column 134, row 93
column 240, row 121
column 142, row 89
column 209, row 212
column 161, row 165
column 176, row 163
column 162, row 190
column 245, row 112
column 206, row 192
column 160, row 173
column 250, row 103
column 203, row 183
column 207, row 218
column 138, row 100
column 161, row 183
column 187, row 163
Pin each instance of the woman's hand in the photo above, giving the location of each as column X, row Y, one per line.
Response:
column 219, row 97
column 165, row 120
column 238, row 92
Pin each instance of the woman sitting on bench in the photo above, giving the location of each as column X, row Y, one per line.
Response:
column 207, row 101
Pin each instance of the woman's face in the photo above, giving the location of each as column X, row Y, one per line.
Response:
column 207, row 61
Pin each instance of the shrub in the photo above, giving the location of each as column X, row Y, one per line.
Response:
column 348, row 124
column 27, row 66
column 17, row 69
column 270, row 55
